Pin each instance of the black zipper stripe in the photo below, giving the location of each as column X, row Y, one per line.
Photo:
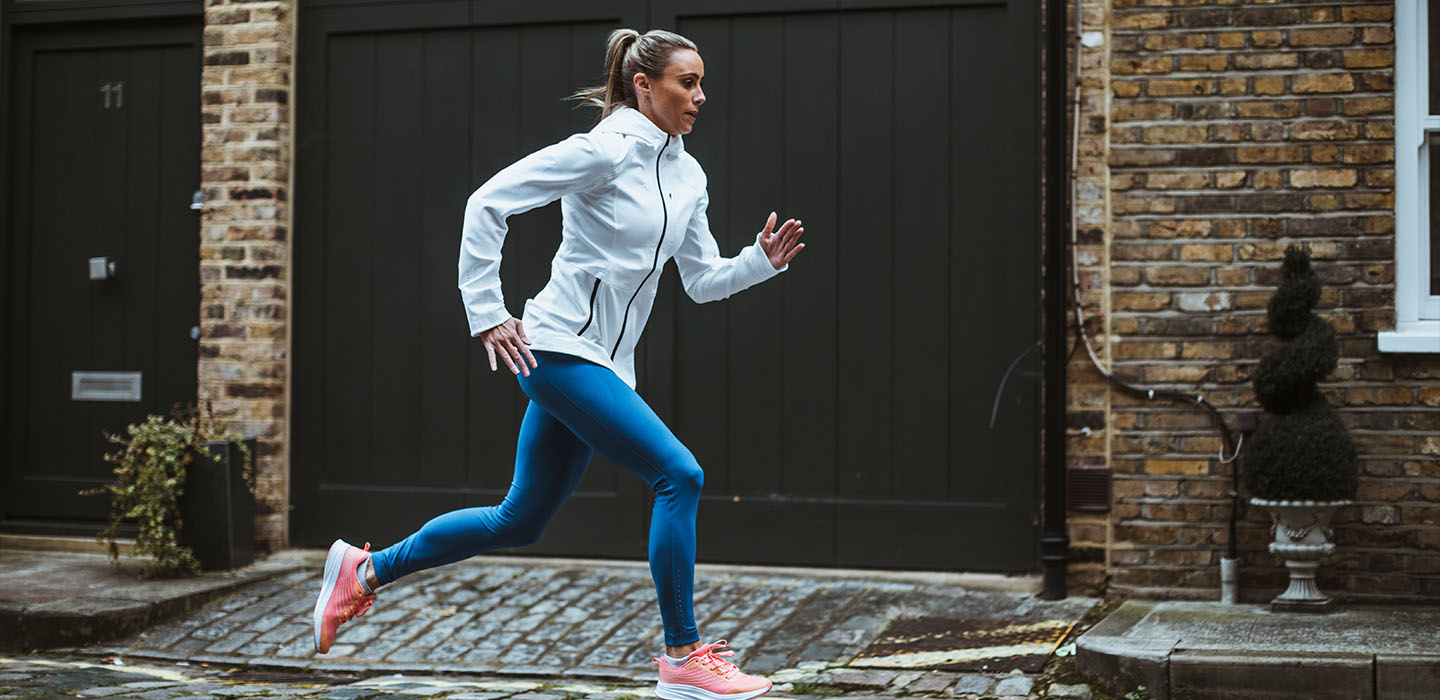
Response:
column 664, row 223
column 591, row 318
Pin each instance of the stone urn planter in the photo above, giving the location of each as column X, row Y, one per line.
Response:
column 1302, row 536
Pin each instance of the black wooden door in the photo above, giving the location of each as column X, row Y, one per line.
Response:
column 841, row 412
column 104, row 142
column 403, row 112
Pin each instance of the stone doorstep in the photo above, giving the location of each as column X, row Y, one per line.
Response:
column 87, row 620
column 1407, row 677
column 1217, row 675
column 1118, row 663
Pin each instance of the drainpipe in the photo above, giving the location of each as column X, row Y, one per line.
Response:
column 1054, row 538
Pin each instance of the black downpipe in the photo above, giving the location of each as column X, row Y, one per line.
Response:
column 1054, row 535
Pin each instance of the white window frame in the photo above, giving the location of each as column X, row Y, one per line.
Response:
column 1417, row 312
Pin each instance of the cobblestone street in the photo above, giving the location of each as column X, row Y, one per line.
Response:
column 561, row 619
column 52, row 678
column 497, row 627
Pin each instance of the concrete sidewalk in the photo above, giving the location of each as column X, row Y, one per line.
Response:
column 1203, row 651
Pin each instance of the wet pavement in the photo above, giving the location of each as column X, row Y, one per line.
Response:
column 534, row 629
column 53, row 678
column 514, row 616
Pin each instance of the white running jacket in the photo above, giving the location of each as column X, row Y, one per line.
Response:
column 631, row 198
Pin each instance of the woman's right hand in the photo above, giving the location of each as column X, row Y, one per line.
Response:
column 509, row 341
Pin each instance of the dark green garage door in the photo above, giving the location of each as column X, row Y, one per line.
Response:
column 841, row 412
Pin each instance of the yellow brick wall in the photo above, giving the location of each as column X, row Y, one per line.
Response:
column 1215, row 133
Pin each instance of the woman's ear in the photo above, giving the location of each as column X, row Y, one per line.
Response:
column 642, row 83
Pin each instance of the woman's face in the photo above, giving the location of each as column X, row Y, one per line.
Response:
column 674, row 100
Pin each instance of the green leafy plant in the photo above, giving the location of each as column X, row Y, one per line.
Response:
column 150, row 478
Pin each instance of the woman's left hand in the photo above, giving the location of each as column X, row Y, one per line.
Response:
column 781, row 246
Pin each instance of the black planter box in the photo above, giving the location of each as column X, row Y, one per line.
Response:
column 217, row 510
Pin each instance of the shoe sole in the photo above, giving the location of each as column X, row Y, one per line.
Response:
column 680, row 691
column 333, row 559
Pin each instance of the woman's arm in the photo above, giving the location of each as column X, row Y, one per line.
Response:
column 709, row 277
column 573, row 165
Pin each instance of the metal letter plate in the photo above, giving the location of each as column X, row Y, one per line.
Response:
column 105, row 386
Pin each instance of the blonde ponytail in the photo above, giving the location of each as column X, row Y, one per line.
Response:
column 628, row 52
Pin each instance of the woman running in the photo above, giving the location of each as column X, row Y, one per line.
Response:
column 631, row 199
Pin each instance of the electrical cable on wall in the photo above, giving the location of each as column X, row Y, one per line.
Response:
column 1149, row 394
column 1229, row 441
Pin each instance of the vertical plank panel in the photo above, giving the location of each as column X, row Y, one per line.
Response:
column 922, row 246
column 178, row 298
column 756, row 188
column 140, row 187
column 347, row 261
column 495, row 142
column 107, row 221
column 65, row 85
column 982, row 457
column 701, row 372
column 395, row 295
column 445, row 186
column 15, row 390
column 807, row 413
column 865, row 240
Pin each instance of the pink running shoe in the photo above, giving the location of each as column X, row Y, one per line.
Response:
column 706, row 676
column 341, row 597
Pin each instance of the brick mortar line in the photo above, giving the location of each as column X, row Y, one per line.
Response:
column 1193, row 145
column 1245, row 98
column 1250, row 167
column 1201, row 121
column 1169, row 30
column 1255, row 50
column 1223, row 193
column 1293, row 5
column 1246, row 216
column 1295, row 72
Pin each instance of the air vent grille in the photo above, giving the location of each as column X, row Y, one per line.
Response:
column 1087, row 487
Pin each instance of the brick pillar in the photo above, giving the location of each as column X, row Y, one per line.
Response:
column 244, row 237
column 1089, row 416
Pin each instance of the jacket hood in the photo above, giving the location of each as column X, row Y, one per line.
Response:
column 629, row 121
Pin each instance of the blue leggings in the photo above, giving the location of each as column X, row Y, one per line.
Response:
column 577, row 407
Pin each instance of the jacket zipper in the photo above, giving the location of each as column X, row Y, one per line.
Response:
column 591, row 317
column 664, row 223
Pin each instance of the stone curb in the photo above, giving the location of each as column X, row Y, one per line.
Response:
column 82, row 620
column 1119, row 662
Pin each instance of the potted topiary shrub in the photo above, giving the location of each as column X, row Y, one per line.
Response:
column 189, row 490
column 1301, row 463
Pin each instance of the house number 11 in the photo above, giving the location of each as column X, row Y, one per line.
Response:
column 114, row 93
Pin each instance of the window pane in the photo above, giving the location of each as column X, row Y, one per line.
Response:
column 1435, row 217
column 1434, row 53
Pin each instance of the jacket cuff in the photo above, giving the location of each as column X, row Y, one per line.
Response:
column 482, row 320
column 759, row 265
